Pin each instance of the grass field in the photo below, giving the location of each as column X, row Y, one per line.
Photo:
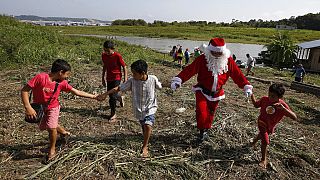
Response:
column 231, row 34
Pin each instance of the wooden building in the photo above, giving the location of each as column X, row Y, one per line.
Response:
column 309, row 55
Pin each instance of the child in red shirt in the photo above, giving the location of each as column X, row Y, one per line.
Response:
column 112, row 64
column 42, row 86
column 272, row 110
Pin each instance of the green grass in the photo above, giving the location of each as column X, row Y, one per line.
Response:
column 285, row 75
column 26, row 45
column 231, row 34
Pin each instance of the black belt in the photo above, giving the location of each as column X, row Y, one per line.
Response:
column 207, row 91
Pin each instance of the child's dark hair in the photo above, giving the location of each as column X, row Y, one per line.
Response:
column 60, row 65
column 140, row 66
column 108, row 44
column 278, row 89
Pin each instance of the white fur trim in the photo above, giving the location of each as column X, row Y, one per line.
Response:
column 209, row 98
column 217, row 48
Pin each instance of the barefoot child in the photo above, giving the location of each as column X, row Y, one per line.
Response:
column 112, row 65
column 272, row 110
column 42, row 86
column 144, row 100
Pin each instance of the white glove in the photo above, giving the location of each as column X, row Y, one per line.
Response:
column 175, row 83
column 248, row 90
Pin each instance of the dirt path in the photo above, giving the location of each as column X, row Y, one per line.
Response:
column 103, row 150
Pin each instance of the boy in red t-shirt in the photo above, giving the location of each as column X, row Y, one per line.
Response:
column 112, row 64
column 272, row 110
column 42, row 86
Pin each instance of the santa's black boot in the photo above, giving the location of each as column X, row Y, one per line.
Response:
column 203, row 135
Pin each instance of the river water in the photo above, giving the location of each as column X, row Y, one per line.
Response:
column 165, row 45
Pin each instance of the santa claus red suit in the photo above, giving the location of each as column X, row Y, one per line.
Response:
column 214, row 68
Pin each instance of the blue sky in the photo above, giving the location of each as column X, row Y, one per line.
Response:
column 164, row 10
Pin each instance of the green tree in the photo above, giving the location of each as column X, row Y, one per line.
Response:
column 282, row 51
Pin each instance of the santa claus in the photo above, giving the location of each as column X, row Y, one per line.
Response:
column 213, row 67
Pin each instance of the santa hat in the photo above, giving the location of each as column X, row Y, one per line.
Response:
column 217, row 45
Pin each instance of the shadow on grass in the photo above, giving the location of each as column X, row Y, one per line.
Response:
column 20, row 151
column 86, row 112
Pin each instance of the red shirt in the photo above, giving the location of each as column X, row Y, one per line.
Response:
column 42, row 89
column 113, row 64
column 270, row 116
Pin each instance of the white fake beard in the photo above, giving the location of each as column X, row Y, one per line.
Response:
column 218, row 65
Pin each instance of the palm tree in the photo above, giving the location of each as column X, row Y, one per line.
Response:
column 282, row 51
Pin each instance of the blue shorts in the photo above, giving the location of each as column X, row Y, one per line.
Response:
column 149, row 120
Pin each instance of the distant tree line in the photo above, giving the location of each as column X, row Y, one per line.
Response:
column 309, row 21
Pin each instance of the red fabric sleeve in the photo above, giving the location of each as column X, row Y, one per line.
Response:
column 259, row 102
column 65, row 86
column 121, row 61
column 35, row 81
column 190, row 70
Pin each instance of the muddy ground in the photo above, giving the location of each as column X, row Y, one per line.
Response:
column 99, row 149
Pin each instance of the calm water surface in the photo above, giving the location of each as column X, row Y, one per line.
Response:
column 165, row 45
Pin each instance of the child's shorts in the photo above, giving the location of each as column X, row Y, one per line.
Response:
column 50, row 119
column 264, row 135
column 149, row 120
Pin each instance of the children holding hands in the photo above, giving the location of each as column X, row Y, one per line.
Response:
column 144, row 99
column 44, row 87
column 272, row 110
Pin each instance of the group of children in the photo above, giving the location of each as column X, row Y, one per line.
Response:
column 143, row 88
column 178, row 54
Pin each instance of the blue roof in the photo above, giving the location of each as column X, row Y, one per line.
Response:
column 310, row 44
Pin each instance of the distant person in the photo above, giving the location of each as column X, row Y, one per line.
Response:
column 272, row 110
column 46, row 88
column 111, row 72
column 234, row 57
column 299, row 72
column 197, row 52
column 173, row 53
column 187, row 56
column 180, row 56
column 250, row 65
column 143, row 88
column 213, row 69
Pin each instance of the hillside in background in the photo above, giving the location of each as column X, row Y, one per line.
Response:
column 38, row 18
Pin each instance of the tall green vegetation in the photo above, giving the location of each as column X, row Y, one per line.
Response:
column 21, row 43
column 282, row 51
column 24, row 44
